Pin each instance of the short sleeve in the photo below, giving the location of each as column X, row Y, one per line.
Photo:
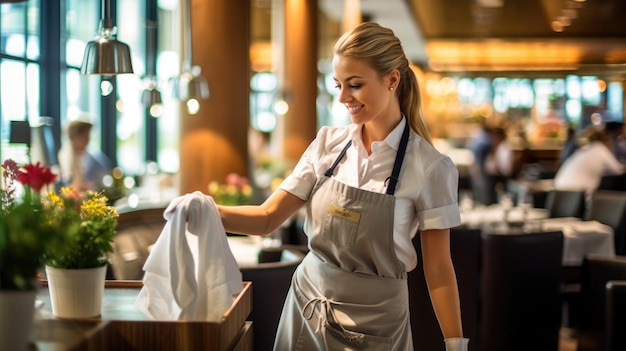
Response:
column 437, row 206
column 301, row 181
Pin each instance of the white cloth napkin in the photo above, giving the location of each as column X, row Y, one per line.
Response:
column 190, row 274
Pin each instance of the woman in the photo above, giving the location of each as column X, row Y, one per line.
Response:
column 368, row 188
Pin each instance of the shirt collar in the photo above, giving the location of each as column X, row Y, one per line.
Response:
column 392, row 139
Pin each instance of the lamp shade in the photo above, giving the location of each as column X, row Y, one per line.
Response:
column 193, row 87
column 106, row 56
column 151, row 97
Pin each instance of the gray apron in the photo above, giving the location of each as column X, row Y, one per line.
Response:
column 350, row 291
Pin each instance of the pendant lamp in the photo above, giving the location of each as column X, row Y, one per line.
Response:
column 151, row 96
column 191, row 85
column 106, row 55
column 151, row 99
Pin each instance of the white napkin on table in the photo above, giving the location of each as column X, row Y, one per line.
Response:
column 191, row 274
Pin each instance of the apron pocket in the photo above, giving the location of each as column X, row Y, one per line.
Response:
column 342, row 339
column 339, row 231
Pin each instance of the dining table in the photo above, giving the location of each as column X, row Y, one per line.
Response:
column 581, row 237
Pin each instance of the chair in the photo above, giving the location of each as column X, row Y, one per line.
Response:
column 520, row 306
column 137, row 230
column 609, row 207
column 485, row 188
column 465, row 250
column 616, row 319
column 270, row 284
column 597, row 271
column 615, row 182
column 565, row 203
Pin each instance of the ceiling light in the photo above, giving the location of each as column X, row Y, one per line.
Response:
column 106, row 55
column 151, row 99
column 151, row 96
column 490, row 3
column 190, row 86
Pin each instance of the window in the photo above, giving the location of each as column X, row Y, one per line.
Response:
column 19, row 72
column 82, row 93
column 123, row 128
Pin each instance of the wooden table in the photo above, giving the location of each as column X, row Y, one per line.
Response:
column 122, row 327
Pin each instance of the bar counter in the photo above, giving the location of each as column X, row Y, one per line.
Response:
column 122, row 327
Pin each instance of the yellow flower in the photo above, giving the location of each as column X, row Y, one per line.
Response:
column 97, row 223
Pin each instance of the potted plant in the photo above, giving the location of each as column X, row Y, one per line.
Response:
column 81, row 267
column 26, row 235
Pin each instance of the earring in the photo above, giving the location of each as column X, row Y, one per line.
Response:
column 391, row 88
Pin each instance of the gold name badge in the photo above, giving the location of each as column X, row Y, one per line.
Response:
column 344, row 213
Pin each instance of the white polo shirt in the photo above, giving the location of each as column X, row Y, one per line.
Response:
column 427, row 189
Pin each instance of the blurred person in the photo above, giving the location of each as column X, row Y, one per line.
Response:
column 498, row 168
column 499, row 161
column 571, row 144
column 584, row 169
column 481, row 145
column 81, row 169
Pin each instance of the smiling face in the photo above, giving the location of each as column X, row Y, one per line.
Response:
column 368, row 97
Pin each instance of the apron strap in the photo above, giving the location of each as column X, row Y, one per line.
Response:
column 392, row 180
column 326, row 315
column 395, row 174
column 329, row 172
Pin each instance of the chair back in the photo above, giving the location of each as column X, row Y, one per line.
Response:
column 613, row 182
column 609, row 207
column 465, row 251
column 484, row 187
column 597, row 271
column 565, row 203
column 137, row 230
column 520, row 307
column 270, row 284
column 616, row 318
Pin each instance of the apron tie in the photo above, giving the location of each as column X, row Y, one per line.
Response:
column 326, row 311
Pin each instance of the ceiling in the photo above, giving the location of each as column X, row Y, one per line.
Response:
column 504, row 35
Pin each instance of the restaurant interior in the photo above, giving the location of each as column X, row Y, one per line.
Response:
column 223, row 97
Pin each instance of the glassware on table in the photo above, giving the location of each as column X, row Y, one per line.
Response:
column 466, row 203
column 505, row 199
column 525, row 203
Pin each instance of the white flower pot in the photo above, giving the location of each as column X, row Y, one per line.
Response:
column 17, row 310
column 76, row 293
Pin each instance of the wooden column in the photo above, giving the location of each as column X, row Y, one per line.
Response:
column 300, row 76
column 213, row 142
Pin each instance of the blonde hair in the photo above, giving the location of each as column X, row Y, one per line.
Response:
column 381, row 49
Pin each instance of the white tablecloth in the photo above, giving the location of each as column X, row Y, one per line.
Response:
column 494, row 214
column 246, row 248
column 580, row 237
